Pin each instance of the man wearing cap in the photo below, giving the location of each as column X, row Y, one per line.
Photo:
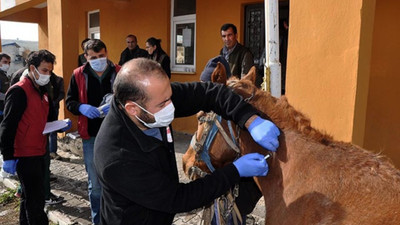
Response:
column 210, row 67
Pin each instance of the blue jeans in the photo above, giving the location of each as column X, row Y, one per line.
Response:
column 53, row 138
column 53, row 142
column 94, row 187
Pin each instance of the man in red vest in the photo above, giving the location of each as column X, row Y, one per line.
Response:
column 89, row 85
column 22, row 142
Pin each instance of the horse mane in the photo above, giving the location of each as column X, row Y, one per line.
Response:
column 286, row 117
column 278, row 110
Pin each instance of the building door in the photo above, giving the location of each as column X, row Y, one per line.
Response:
column 254, row 37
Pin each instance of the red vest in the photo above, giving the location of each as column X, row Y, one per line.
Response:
column 81, row 80
column 29, row 139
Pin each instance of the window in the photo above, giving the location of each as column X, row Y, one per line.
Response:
column 94, row 24
column 183, row 40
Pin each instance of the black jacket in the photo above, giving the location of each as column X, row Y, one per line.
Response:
column 164, row 60
column 138, row 173
column 240, row 60
column 96, row 88
column 127, row 54
column 4, row 85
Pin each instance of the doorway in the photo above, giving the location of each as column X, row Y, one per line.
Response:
column 254, row 37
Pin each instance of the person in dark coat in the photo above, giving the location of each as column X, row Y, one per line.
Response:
column 134, row 150
column 5, row 61
column 88, row 85
column 239, row 57
column 132, row 50
column 81, row 57
column 156, row 53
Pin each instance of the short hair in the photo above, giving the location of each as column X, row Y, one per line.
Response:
column 128, row 85
column 37, row 57
column 4, row 55
column 131, row 36
column 226, row 26
column 84, row 41
column 95, row 45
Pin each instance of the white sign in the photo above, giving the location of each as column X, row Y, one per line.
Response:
column 187, row 37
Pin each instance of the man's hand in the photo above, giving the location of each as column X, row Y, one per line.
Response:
column 69, row 125
column 251, row 165
column 10, row 166
column 264, row 132
column 89, row 111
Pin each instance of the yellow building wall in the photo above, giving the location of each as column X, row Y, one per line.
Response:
column 120, row 18
column 322, row 67
column 382, row 131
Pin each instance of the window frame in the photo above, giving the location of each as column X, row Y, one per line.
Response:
column 176, row 20
column 93, row 30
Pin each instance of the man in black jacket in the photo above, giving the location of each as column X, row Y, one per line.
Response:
column 132, row 50
column 5, row 61
column 239, row 57
column 134, row 150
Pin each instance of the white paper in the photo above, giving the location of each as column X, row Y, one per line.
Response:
column 187, row 37
column 55, row 125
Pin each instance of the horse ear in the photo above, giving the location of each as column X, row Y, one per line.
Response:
column 219, row 74
column 251, row 75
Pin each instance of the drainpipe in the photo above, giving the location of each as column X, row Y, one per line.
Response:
column 272, row 66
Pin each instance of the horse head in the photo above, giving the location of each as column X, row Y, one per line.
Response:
column 221, row 150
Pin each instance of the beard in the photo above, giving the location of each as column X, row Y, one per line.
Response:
column 146, row 117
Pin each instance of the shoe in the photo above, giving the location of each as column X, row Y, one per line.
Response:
column 54, row 199
column 54, row 155
column 17, row 194
column 52, row 178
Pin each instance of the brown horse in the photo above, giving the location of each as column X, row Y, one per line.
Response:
column 313, row 179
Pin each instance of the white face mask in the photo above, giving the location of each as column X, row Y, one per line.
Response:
column 163, row 117
column 98, row 65
column 5, row 67
column 43, row 78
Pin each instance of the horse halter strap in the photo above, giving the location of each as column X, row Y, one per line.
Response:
column 212, row 126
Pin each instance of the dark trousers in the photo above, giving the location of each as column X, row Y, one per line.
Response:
column 30, row 173
column 46, row 177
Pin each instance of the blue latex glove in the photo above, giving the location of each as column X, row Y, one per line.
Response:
column 251, row 165
column 265, row 133
column 10, row 166
column 69, row 125
column 89, row 111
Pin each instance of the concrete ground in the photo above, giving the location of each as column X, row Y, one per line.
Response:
column 71, row 183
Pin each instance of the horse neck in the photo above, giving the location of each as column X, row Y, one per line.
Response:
column 286, row 117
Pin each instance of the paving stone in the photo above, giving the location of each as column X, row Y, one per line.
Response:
column 72, row 185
